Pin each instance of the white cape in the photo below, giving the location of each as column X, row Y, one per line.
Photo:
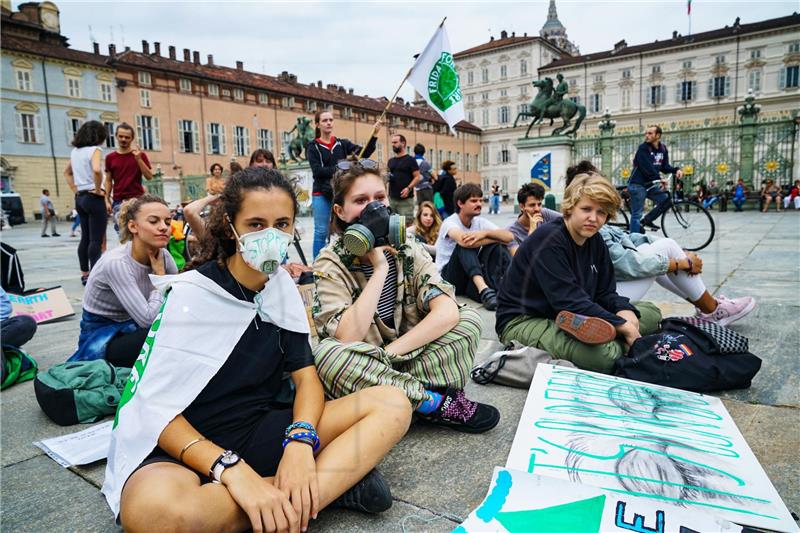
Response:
column 190, row 339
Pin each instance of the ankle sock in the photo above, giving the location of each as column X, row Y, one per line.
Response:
column 431, row 404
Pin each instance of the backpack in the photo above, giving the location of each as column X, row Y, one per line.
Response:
column 13, row 280
column 698, row 358
column 17, row 367
column 81, row 391
column 513, row 366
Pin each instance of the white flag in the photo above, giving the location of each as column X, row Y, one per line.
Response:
column 434, row 76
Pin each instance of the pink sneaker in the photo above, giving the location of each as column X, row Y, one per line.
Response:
column 729, row 310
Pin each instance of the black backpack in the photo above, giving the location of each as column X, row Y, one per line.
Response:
column 695, row 357
column 13, row 280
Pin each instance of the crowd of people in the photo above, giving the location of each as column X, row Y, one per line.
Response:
column 270, row 429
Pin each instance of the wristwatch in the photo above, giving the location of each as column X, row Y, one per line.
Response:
column 226, row 460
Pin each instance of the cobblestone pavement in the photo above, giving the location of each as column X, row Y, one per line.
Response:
column 437, row 476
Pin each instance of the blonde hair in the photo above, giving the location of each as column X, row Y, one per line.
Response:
column 431, row 233
column 596, row 188
column 128, row 210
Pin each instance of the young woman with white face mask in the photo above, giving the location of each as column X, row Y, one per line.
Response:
column 274, row 465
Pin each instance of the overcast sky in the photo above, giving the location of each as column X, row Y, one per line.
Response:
column 369, row 45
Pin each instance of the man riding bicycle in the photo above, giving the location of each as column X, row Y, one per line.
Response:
column 650, row 161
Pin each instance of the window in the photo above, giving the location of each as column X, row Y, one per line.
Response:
column 656, row 95
column 470, row 98
column 226, row 93
column 287, row 102
column 73, row 125
column 470, row 77
column 263, row 98
column 188, row 138
column 687, row 65
column 656, row 69
column 238, row 94
column 485, row 117
column 111, row 131
column 573, row 82
column 790, row 77
column 523, row 108
column 598, row 78
column 719, row 60
column 626, row 74
column 595, row 103
column 458, row 159
column 29, row 128
column 504, row 155
column 523, row 90
column 73, row 86
column 485, row 150
column 379, row 152
column 755, row 54
column 144, row 97
column 523, row 67
column 485, row 75
column 485, row 96
column 687, row 91
column 471, row 117
column 503, row 114
column 503, row 92
column 311, row 106
column 467, row 162
column 148, row 131
column 794, row 48
column 441, row 157
column 719, row 87
column 626, row 98
column 362, row 116
column 144, row 79
column 185, row 85
column 286, row 139
column 106, row 91
column 241, row 141
column 213, row 89
column 503, row 72
column 24, row 80
column 265, row 140
column 347, row 112
column 754, row 81
column 215, row 139
column 576, row 99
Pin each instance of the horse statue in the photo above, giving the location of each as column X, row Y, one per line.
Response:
column 305, row 134
column 545, row 106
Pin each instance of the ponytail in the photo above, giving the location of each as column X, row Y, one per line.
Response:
column 317, row 132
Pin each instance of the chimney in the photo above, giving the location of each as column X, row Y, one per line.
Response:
column 96, row 47
column 112, row 50
column 525, row 34
column 239, row 65
column 196, row 57
column 513, row 34
column 620, row 45
column 157, row 46
column 319, row 84
column 127, row 48
column 172, row 54
column 210, row 60
column 674, row 34
column 399, row 101
column 187, row 55
column 350, row 91
column 145, row 47
column 292, row 78
column 491, row 38
column 504, row 34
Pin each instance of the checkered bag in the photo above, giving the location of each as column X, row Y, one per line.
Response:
column 726, row 339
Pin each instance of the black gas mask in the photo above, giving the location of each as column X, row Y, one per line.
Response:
column 376, row 226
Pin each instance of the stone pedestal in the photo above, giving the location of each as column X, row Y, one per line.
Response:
column 544, row 159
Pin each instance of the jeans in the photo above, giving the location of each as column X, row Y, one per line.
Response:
column 321, row 209
column 92, row 210
column 639, row 193
column 494, row 204
column 17, row 330
column 96, row 332
column 739, row 201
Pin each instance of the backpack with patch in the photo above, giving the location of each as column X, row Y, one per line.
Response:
column 80, row 391
column 690, row 357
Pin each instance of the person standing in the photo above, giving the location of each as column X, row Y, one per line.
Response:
column 494, row 201
column 403, row 177
column 322, row 154
column 651, row 159
column 424, row 188
column 125, row 168
column 445, row 185
column 84, row 175
column 48, row 214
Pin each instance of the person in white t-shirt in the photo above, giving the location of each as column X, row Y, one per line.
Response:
column 471, row 251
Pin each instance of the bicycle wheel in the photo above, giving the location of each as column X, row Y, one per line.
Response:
column 622, row 221
column 689, row 224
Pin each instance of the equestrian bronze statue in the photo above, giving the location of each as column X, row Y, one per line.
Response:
column 550, row 103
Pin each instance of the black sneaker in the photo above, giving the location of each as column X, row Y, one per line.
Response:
column 489, row 299
column 370, row 495
column 461, row 414
column 56, row 235
column 649, row 225
column 46, row 235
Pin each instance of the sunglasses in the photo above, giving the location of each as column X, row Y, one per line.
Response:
column 346, row 164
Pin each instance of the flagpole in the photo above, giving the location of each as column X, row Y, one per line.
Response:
column 389, row 103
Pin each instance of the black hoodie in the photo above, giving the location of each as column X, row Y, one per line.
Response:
column 323, row 161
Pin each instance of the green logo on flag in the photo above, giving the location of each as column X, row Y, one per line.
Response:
column 443, row 88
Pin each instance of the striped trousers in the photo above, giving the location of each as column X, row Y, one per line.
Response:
column 345, row 368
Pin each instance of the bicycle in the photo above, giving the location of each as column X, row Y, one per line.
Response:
column 685, row 221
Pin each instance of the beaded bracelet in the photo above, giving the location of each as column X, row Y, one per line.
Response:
column 306, row 437
column 299, row 425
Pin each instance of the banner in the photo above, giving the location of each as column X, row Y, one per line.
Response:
column 518, row 502
column 42, row 305
column 540, row 168
column 634, row 438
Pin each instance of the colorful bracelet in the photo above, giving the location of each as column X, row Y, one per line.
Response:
column 299, row 425
column 306, row 437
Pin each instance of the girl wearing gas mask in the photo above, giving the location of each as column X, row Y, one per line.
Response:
column 384, row 314
column 201, row 440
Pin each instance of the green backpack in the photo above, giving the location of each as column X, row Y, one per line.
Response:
column 18, row 366
column 80, row 391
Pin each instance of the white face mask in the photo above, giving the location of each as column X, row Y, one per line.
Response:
column 264, row 250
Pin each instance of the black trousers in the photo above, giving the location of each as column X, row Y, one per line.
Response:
column 123, row 349
column 92, row 211
column 490, row 261
column 17, row 330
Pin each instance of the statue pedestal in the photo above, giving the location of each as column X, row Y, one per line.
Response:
column 300, row 175
column 544, row 160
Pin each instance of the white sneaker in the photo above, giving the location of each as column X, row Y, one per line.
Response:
column 729, row 310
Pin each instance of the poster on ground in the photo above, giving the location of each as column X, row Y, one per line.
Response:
column 633, row 438
column 519, row 502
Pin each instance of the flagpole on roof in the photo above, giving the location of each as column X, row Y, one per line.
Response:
column 389, row 103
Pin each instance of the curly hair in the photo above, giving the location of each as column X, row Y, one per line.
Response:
column 219, row 242
column 128, row 211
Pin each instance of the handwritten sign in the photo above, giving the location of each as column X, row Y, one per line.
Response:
column 81, row 448
column 44, row 305
column 520, row 502
column 638, row 439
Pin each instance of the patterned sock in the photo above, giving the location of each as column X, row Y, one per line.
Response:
column 431, row 404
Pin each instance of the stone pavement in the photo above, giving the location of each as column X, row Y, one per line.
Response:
column 437, row 476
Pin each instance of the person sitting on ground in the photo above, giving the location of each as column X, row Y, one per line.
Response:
column 771, row 192
column 262, row 158
column 120, row 302
column 793, row 198
column 560, row 294
column 639, row 260
column 471, row 251
column 531, row 214
column 739, row 195
column 222, row 451
column 445, row 185
column 215, row 182
column 426, row 227
column 387, row 317
column 15, row 331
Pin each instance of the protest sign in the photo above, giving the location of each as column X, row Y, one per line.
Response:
column 43, row 305
column 520, row 502
column 80, row 448
column 638, row 439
